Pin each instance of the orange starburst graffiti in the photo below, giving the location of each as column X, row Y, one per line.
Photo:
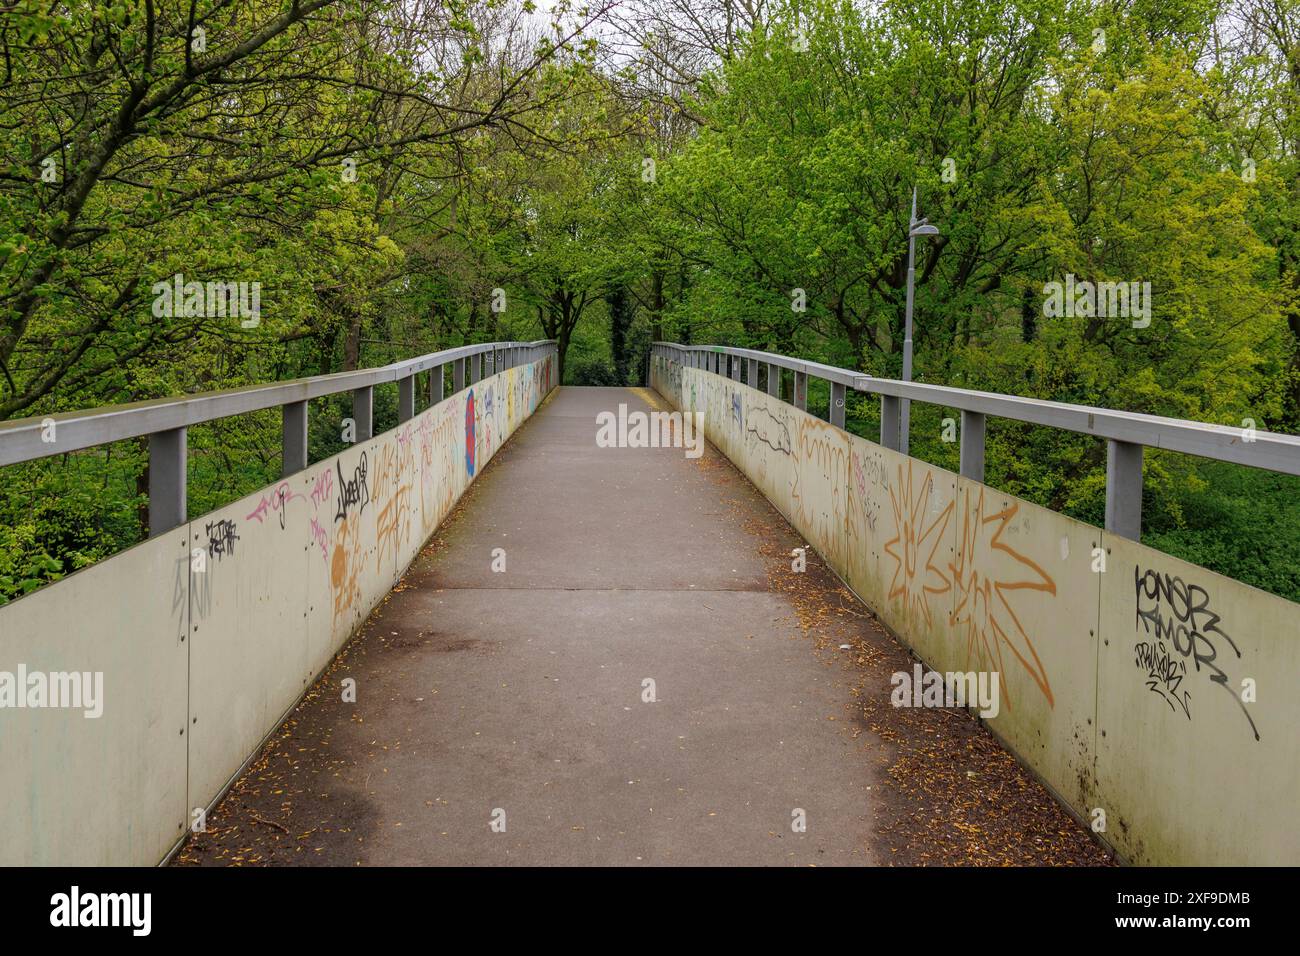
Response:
column 983, row 612
column 917, row 533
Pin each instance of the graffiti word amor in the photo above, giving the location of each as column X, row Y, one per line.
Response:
column 1171, row 610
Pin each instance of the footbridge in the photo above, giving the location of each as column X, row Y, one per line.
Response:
column 532, row 625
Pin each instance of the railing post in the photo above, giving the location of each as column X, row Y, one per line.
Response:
column 1124, row 489
column 835, row 413
column 801, row 390
column 889, row 415
column 475, row 367
column 406, row 398
column 437, row 385
column 774, row 380
column 753, row 373
column 167, row 488
column 972, row 446
column 293, row 443
column 735, row 368
column 363, row 412
column 458, row 374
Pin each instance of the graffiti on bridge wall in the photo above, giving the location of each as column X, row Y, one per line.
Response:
column 1177, row 626
column 985, row 612
column 919, row 524
column 430, row 459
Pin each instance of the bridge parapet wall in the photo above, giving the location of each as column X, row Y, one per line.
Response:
column 207, row 635
column 1121, row 688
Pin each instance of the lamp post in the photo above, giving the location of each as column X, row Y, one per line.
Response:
column 916, row 227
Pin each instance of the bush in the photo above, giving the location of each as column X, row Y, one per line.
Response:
column 592, row 372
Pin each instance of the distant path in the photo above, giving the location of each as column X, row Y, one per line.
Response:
column 522, row 691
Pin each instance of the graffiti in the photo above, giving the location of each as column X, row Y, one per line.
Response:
column 543, row 379
column 323, row 488
column 918, row 533
column 1164, row 674
column 275, row 501
column 221, row 538
column 392, row 526
column 426, row 449
column 470, row 437
column 345, row 567
column 985, row 612
column 354, row 493
column 321, row 539
column 439, row 488
column 193, row 589
column 868, row 470
column 737, row 418
column 391, row 493
column 181, row 590
column 817, row 489
column 488, row 411
column 394, row 462
column 768, row 429
column 674, row 372
column 200, row 589
column 1179, row 614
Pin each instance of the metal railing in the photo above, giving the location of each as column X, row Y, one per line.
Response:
column 166, row 420
column 1126, row 433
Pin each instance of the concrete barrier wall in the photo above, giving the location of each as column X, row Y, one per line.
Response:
column 208, row 635
column 1121, row 668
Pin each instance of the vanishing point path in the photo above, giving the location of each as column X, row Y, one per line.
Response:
column 646, row 682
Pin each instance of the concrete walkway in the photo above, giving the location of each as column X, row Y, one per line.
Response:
column 522, row 691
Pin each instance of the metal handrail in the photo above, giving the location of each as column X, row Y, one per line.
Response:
column 165, row 420
column 1126, row 433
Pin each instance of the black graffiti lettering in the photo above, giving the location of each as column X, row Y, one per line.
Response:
column 354, row 493
column 221, row 538
column 1164, row 674
column 1180, row 613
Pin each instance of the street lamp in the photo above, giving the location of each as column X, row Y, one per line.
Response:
column 916, row 227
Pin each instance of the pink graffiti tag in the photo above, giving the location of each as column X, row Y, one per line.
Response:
column 321, row 538
column 275, row 501
column 323, row 490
